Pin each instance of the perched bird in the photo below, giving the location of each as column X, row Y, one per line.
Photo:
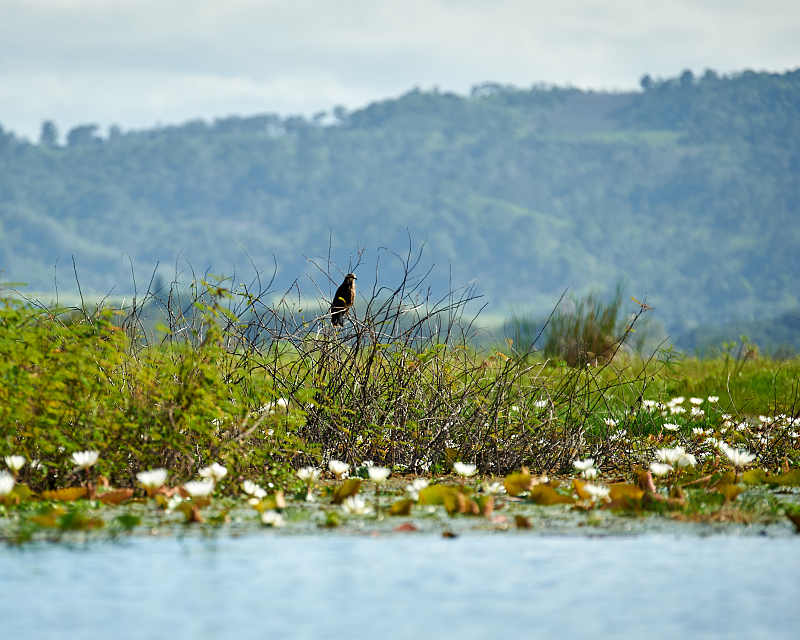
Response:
column 343, row 299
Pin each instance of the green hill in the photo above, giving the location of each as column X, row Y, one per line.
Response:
column 687, row 192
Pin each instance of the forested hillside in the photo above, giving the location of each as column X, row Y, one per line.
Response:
column 688, row 192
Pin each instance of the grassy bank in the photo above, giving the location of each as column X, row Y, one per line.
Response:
column 264, row 390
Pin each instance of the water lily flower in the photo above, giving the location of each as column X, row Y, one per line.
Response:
column 15, row 463
column 338, row 468
column 713, row 399
column 252, row 489
column 660, row 468
column 582, row 465
column 85, row 459
column 676, row 400
column 7, row 483
column 493, row 488
column 514, row 407
column 610, row 422
column 670, row 456
column 415, row 487
column 677, row 410
column 355, row 505
column 199, row 488
column 699, row 432
column 686, row 460
column 671, row 426
column 696, row 401
column 308, row 474
column 272, row 519
column 215, row 472
column 697, row 412
column 590, row 473
column 378, row 474
column 540, row 404
column 738, row 457
column 152, row 479
column 650, row 405
column 596, row 491
column 464, row 469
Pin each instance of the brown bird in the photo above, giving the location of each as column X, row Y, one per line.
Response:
column 343, row 299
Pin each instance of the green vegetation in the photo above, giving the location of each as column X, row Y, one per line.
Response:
column 252, row 394
column 687, row 191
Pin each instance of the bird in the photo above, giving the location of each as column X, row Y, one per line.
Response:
column 343, row 299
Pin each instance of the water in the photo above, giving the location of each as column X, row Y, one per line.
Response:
column 270, row 585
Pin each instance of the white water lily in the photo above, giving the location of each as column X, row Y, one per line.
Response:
column 610, row 422
column 650, row 405
column 493, row 488
column 15, row 463
column 670, row 456
column 671, row 426
column 596, row 491
column 590, row 473
column 355, row 505
column 696, row 401
column 738, row 457
column 686, row 460
column 583, row 465
column 464, row 469
column 378, row 474
column 540, row 404
column 415, row 487
column 153, row 478
column 700, row 432
column 677, row 410
column 308, row 474
column 7, row 483
column 676, row 400
column 660, row 468
column 713, row 399
column 199, row 488
column 252, row 489
column 338, row 468
column 272, row 519
column 697, row 412
column 85, row 459
column 215, row 472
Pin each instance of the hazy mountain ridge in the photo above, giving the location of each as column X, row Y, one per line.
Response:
column 687, row 191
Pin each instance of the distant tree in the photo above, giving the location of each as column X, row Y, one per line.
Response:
column 48, row 137
column 114, row 132
column 82, row 134
column 340, row 113
column 710, row 75
column 646, row 83
column 687, row 79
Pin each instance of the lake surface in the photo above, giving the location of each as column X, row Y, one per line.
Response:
column 517, row 585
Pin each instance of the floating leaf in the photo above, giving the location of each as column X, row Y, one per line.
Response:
column 401, row 507
column 449, row 534
column 795, row 518
column 755, row 476
column 128, row 521
column 48, row 518
column 68, row 494
column 582, row 493
column 522, row 522
column 517, row 483
column 486, row 505
column 117, row 496
column 332, row 519
column 406, row 527
column 349, row 487
column 77, row 520
column 791, row 478
column 437, row 494
column 624, row 491
column 730, row 491
column 545, row 495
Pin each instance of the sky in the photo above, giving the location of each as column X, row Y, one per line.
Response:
column 139, row 63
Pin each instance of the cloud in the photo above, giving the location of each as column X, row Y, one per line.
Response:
column 141, row 62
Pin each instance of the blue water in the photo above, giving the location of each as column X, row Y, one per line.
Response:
column 404, row 586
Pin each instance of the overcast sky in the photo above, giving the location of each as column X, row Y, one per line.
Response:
column 141, row 62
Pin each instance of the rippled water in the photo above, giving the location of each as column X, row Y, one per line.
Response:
column 405, row 586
